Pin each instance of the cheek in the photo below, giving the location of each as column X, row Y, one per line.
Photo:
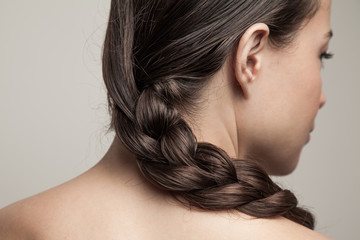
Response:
column 303, row 87
column 284, row 123
column 309, row 98
column 282, row 114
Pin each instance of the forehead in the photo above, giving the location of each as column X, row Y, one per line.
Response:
column 319, row 25
column 326, row 4
column 322, row 16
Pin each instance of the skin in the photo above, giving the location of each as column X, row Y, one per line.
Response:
column 113, row 201
column 272, row 94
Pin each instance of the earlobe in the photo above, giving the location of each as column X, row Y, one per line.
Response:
column 247, row 62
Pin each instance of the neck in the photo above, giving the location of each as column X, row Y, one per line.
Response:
column 120, row 166
column 216, row 121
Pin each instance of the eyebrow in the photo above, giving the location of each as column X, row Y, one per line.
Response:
column 329, row 34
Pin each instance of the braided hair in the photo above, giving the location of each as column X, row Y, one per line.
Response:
column 157, row 57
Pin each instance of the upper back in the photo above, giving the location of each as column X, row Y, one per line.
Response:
column 94, row 207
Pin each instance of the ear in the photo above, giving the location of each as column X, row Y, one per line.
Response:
column 247, row 61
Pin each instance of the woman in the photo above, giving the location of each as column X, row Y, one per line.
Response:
column 207, row 98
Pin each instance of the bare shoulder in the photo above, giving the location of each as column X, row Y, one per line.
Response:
column 238, row 227
column 89, row 206
column 282, row 228
column 50, row 213
column 277, row 229
column 13, row 223
column 31, row 217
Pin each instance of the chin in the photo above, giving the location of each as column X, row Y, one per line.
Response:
column 276, row 159
column 283, row 167
column 282, row 172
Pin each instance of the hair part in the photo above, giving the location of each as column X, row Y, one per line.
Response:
column 157, row 56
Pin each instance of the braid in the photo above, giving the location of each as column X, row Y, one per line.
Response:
column 145, row 100
column 201, row 173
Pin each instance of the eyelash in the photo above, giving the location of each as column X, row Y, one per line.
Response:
column 326, row 55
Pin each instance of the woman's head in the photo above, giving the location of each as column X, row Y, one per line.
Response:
column 161, row 60
column 277, row 114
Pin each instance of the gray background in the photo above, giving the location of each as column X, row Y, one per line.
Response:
column 53, row 108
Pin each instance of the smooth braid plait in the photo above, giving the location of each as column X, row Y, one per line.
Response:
column 201, row 173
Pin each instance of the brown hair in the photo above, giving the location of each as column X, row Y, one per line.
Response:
column 157, row 56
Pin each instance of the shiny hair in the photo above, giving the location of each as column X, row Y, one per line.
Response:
column 157, row 56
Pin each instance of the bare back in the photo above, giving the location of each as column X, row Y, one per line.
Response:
column 113, row 201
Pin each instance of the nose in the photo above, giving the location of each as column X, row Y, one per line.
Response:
column 322, row 100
